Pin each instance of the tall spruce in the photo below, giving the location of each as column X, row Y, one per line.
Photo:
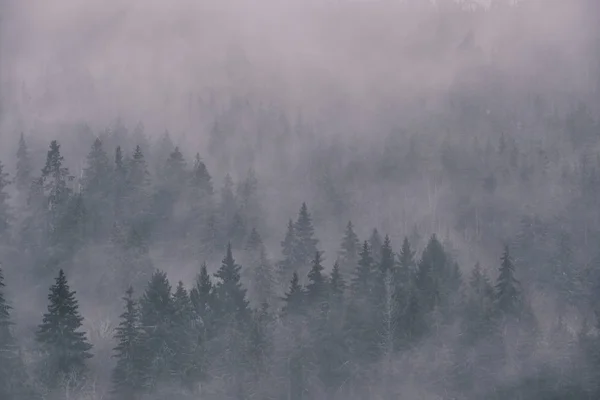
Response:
column 64, row 346
column 306, row 243
column 288, row 264
column 129, row 374
column 13, row 378
column 23, row 176
column 5, row 212
column 316, row 289
column 157, row 311
column 508, row 291
column 183, row 365
column 348, row 254
column 55, row 182
column 230, row 294
column 97, row 183
column 295, row 297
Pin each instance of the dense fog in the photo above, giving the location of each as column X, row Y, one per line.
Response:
column 341, row 199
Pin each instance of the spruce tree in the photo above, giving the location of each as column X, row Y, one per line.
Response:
column 288, row 264
column 248, row 196
column 202, row 297
column 228, row 204
column 12, row 372
column 5, row 212
column 183, row 366
column 337, row 285
column 294, row 298
column 97, row 189
column 348, row 255
column 129, row 375
column 23, row 177
column 157, row 312
column 508, row 292
column 375, row 243
column 64, row 346
column 316, row 289
column 362, row 281
column 55, row 179
column 201, row 195
column 263, row 281
column 230, row 294
column 306, row 243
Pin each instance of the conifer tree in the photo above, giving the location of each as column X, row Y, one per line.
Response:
column 201, row 194
column 119, row 183
column 294, row 298
column 64, row 346
column 306, row 243
column 262, row 278
column 288, row 264
column 202, row 298
column 375, row 243
column 348, row 255
column 230, row 294
column 137, row 186
column 247, row 193
column 55, row 180
column 5, row 212
column 183, row 365
column 12, row 372
column 362, row 281
column 96, row 182
column 157, row 312
column 478, row 307
column 316, row 289
column 23, row 177
column 403, row 293
column 508, row 292
column 337, row 285
column 228, row 204
column 129, row 375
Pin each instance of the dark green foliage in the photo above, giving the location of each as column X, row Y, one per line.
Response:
column 129, row 377
column 64, row 346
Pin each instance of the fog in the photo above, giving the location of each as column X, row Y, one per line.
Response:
column 470, row 125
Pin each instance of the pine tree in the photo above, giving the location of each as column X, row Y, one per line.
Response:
column 129, row 375
column 137, row 186
column 248, row 196
column 5, row 212
column 157, row 312
column 348, row 255
column 120, row 183
column 262, row 278
column 23, row 177
column 65, row 348
column 201, row 195
column 306, row 243
column 403, row 292
column 337, row 285
column 508, row 292
column 479, row 306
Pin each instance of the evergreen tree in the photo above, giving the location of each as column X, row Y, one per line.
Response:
column 119, row 184
column 362, row 281
column 228, row 204
column 337, row 285
column 137, row 187
column 294, row 298
column 54, row 181
column 508, row 292
column 478, row 308
column 201, row 196
column 202, row 298
column 348, row 255
column 157, row 313
column 65, row 348
column 183, row 365
column 316, row 289
column 23, row 177
column 248, row 195
column 13, row 377
column 375, row 243
column 288, row 264
column 262, row 278
column 129, row 375
column 5, row 212
column 96, row 181
column 306, row 243
column 230, row 294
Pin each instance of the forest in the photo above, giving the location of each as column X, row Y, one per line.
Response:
column 435, row 237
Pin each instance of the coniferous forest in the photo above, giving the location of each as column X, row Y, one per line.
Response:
column 453, row 256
